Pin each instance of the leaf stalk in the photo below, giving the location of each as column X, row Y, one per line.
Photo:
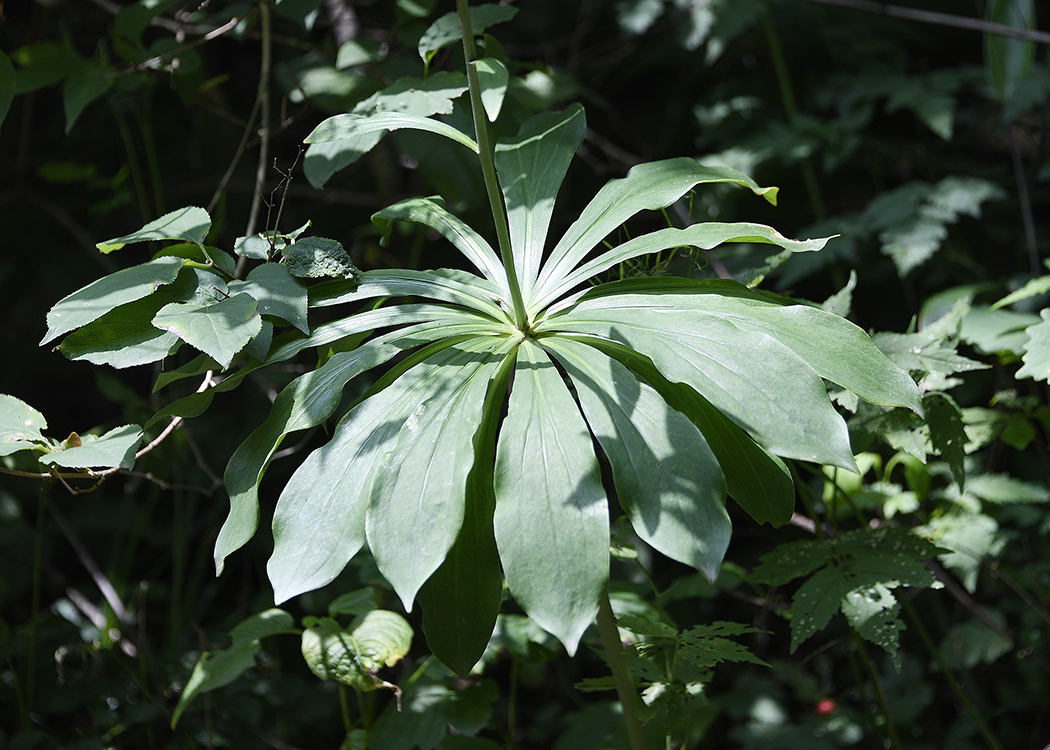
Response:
column 488, row 169
column 625, row 688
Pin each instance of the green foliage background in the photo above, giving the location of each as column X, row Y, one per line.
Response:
column 924, row 147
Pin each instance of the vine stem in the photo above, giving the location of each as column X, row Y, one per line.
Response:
column 488, row 168
column 625, row 689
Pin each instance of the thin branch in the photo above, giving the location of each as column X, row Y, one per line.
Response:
column 942, row 19
column 263, row 96
column 153, row 62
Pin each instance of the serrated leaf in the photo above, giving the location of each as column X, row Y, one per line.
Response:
column 993, row 331
column 278, row 293
column 214, row 669
column 318, row 257
column 970, row 537
column 123, row 337
column 1037, row 350
column 115, row 449
column 20, row 426
column 815, row 602
column 445, row 30
column 190, row 224
column 551, row 520
column 790, row 561
column 220, row 330
column 1032, row 288
column 947, row 432
column 666, row 477
column 100, row 297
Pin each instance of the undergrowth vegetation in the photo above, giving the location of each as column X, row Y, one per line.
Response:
column 460, row 344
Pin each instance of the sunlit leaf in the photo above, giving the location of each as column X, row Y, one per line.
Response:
column 220, row 330
column 189, row 224
column 20, row 425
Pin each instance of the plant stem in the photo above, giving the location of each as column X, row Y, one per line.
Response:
column 982, row 728
column 876, row 683
column 488, row 168
column 621, row 674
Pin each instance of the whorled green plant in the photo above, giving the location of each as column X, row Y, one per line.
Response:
column 472, row 459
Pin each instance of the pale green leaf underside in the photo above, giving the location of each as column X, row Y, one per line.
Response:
column 666, row 477
column 552, row 518
column 420, row 484
column 99, row 297
column 833, row 347
column 352, row 126
column 115, row 449
column 754, row 379
column 445, row 30
column 20, row 425
column 190, row 224
column 313, row 397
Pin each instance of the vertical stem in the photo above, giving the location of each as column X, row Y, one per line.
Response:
column 876, row 683
column 1026, row 203
column 263, row 97
column 621, row 674
column 488, row 168
column 982, row 728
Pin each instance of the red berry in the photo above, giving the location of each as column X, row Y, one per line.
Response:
column 825, row 707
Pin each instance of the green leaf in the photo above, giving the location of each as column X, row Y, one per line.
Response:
column 354, row 657
column 705, row 235
column 319, row 522
column 666, row 477
column 970, row 538
column 215, row 669
column 116, row 448
column 461, row 601
column 428, row 712
column 531, row 167
column 446, row 30
column 431, row 212
column 99, row 297
column 7, row 85
column 650, row 186
column 1005, row 489
column 419, row 489
column 1033, row 288
column 43, row 64
column 1009, row 61
column 1037, row 350
column 189, row 224
column 354, row 126
column 220, row 330
column 758, row 382
column 815, row 602
column 492, row 77
column 947, row 432
column 552, row 519
column 83, row 87
column 318, row 257
column 790, row 561
column 278, row 293
column 20, row 426
column 312, row 398
column 124, row 337
column 994, row 331
column 411, row 96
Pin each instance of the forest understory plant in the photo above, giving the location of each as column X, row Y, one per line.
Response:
column 515, row 408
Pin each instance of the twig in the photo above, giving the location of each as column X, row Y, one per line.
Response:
column 942, row 19
column 263, row 97
column 154, row 61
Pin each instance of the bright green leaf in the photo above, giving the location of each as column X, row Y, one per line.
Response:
column 353, row 126
column 278, row 293
column 220, row 330
column 116, row 449
column 354, row 656
column 446, row 30
column 189, row 224
column 492, row 77
column 20, row 426
column 666, row 476
column 531, row 167
column 1037, row 350
column 552, row 519
column 99, row 297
